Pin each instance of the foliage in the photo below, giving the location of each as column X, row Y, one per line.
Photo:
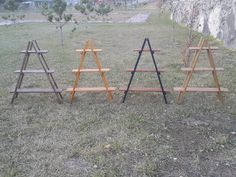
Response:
column 103, row 9
column 57, row 15
column 12, row 6
column 85, row 6
column 59, row 7
column 2, row 2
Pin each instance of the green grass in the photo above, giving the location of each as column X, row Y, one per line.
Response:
column 92, row 137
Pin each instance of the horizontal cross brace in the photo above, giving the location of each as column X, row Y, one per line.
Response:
column 34, row 71
column 204, row 48
column 91, row 89
column 143, row 89
column 88, row 50
column 33, row 51
column 90, row 70
column 202, row 69
column 36, row 90
column 147, row 50
column 200, row 89
column 145, row 70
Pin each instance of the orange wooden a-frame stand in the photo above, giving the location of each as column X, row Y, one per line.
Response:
column 202, row 45
column 89, row 47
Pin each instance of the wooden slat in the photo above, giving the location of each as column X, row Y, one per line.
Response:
column 204, row 48
column 200, row 89
column 147, row 50
column 145, row 70
column 32, row 51
column 88, row 50
column 36, row 90
column 34, row 71
column 202, row 69
column 91, row 70
column 142, row 89
column 91, row 89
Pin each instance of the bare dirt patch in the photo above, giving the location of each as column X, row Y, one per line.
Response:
column 139, row 18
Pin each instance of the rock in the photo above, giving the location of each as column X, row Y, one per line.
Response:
column 107, row 146
column 217, row 18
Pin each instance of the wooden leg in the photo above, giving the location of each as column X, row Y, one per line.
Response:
column 21, row 75
column 105, row 82
column 39, row 55
column 82, row 57
column 190, row 73
column 214, row 74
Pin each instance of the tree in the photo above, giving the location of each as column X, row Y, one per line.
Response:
column 57, row 15
column 190, row 16
column 173, row 9
column 85, row 7
column 103, row 9
column 12, row 6
column 2, row 2
column 193, row 15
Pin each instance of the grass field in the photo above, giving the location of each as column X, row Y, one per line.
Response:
column 92, row 137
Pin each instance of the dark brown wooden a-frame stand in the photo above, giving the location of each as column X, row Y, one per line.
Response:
column 89, row 47
column 156, row 70
column 202, row 45
column 33, row 49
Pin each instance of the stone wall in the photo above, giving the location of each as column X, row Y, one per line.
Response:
column 214, row 17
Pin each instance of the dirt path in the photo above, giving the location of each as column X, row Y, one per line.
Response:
column 139, row 18
column 7, row 22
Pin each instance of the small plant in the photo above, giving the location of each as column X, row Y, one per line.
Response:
column 173, row 14
column 57, row 15
column 192, row 20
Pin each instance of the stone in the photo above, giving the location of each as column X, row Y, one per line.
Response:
column 217, row 18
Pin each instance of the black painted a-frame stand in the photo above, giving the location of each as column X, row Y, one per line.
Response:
column 33, row 49
column 133, row 71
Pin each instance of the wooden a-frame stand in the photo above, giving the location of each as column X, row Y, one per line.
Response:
column 33, row 49
column 202, row 45
column 89, row 47
column 156, row 70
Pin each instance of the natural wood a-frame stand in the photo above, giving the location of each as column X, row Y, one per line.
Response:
column 203, row 45
column 89, row 47
column 156, row 70
column 33, row 48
